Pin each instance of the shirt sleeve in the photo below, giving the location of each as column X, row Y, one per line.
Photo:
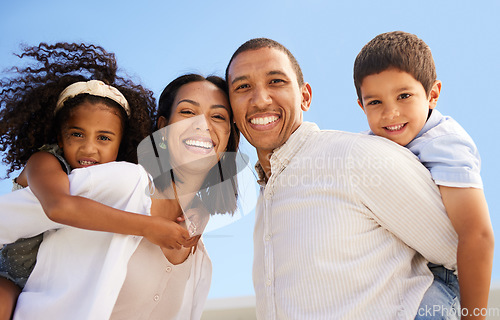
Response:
column 117, row 184
column 453, row 161
column 401, row 196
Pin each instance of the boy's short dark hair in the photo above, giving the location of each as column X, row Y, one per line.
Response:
column 259, row 43
column 397, row 49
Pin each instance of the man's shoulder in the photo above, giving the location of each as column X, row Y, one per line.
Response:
column 335, row 138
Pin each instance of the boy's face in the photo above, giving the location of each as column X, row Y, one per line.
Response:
column 265, row 96
column 396, row 104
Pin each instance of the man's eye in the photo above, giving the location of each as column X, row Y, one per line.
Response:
column 242, row 86
column 277, row 81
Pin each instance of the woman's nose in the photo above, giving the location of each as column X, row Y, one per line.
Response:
column 201, row 123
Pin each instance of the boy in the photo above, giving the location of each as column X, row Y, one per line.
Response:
column 396, row 84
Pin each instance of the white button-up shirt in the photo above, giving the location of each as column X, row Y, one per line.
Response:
column 79, row 273
column 344, row 227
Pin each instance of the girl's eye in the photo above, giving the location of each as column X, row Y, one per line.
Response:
column 404, row 96
column 76, row 134
column 104, row 138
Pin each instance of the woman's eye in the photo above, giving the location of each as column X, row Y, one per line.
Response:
column 187, row 112
column 219, row 117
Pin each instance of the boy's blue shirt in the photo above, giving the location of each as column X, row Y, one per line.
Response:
column 448, row 152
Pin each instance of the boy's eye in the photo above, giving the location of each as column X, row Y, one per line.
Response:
column 373, row 102
column 404, row 96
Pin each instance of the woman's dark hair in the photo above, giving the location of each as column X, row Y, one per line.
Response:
column 218, row 197
column 29, row 96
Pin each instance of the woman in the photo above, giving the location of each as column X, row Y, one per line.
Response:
column 83, row 274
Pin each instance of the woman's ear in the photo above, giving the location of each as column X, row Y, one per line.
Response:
column 162, row 122
column 59, row 141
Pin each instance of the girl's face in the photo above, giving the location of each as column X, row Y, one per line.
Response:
column 91, row 136
column 199, row 126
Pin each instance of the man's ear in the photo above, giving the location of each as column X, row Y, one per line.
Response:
column 434, row 94
column 361, row 105
column 162, row 122
column 306, row 97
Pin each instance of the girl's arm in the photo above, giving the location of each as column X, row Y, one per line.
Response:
column 468, row 212
column 50, row 184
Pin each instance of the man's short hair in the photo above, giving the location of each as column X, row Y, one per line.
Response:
column 259, row 43
column 397, row 49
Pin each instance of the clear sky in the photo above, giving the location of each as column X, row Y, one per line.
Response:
column 156, row 41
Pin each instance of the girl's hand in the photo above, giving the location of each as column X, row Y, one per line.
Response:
column 168, row 234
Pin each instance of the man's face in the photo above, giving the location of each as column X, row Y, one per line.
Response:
column 265, row 96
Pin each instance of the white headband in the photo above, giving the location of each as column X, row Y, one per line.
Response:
column 95, row 88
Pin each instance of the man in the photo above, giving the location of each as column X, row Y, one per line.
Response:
column 344, row 222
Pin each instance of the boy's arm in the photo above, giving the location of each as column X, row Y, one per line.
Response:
column 50, row 184
column 468, row 213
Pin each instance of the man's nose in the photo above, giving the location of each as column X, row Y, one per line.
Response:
column 261, row 97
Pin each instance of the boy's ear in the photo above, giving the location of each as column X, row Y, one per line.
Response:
column 361, row 105
column 434, row 94
column 306, row 97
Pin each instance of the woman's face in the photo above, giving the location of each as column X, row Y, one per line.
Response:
column 199, row 125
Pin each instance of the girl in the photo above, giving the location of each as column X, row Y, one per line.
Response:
column 83, row 274
column 75, row 123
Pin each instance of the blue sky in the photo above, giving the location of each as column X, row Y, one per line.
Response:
column 156, row 41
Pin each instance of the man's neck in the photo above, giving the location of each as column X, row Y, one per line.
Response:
column 265, row 162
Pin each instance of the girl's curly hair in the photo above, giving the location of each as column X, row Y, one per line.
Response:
column 29, row 96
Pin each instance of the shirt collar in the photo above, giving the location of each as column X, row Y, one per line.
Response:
column 433, row 121
column 282, row 155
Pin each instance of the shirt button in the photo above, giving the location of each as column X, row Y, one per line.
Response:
column 156, row 297
column 268, row 282
column 168, row 269
column 267, row 237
